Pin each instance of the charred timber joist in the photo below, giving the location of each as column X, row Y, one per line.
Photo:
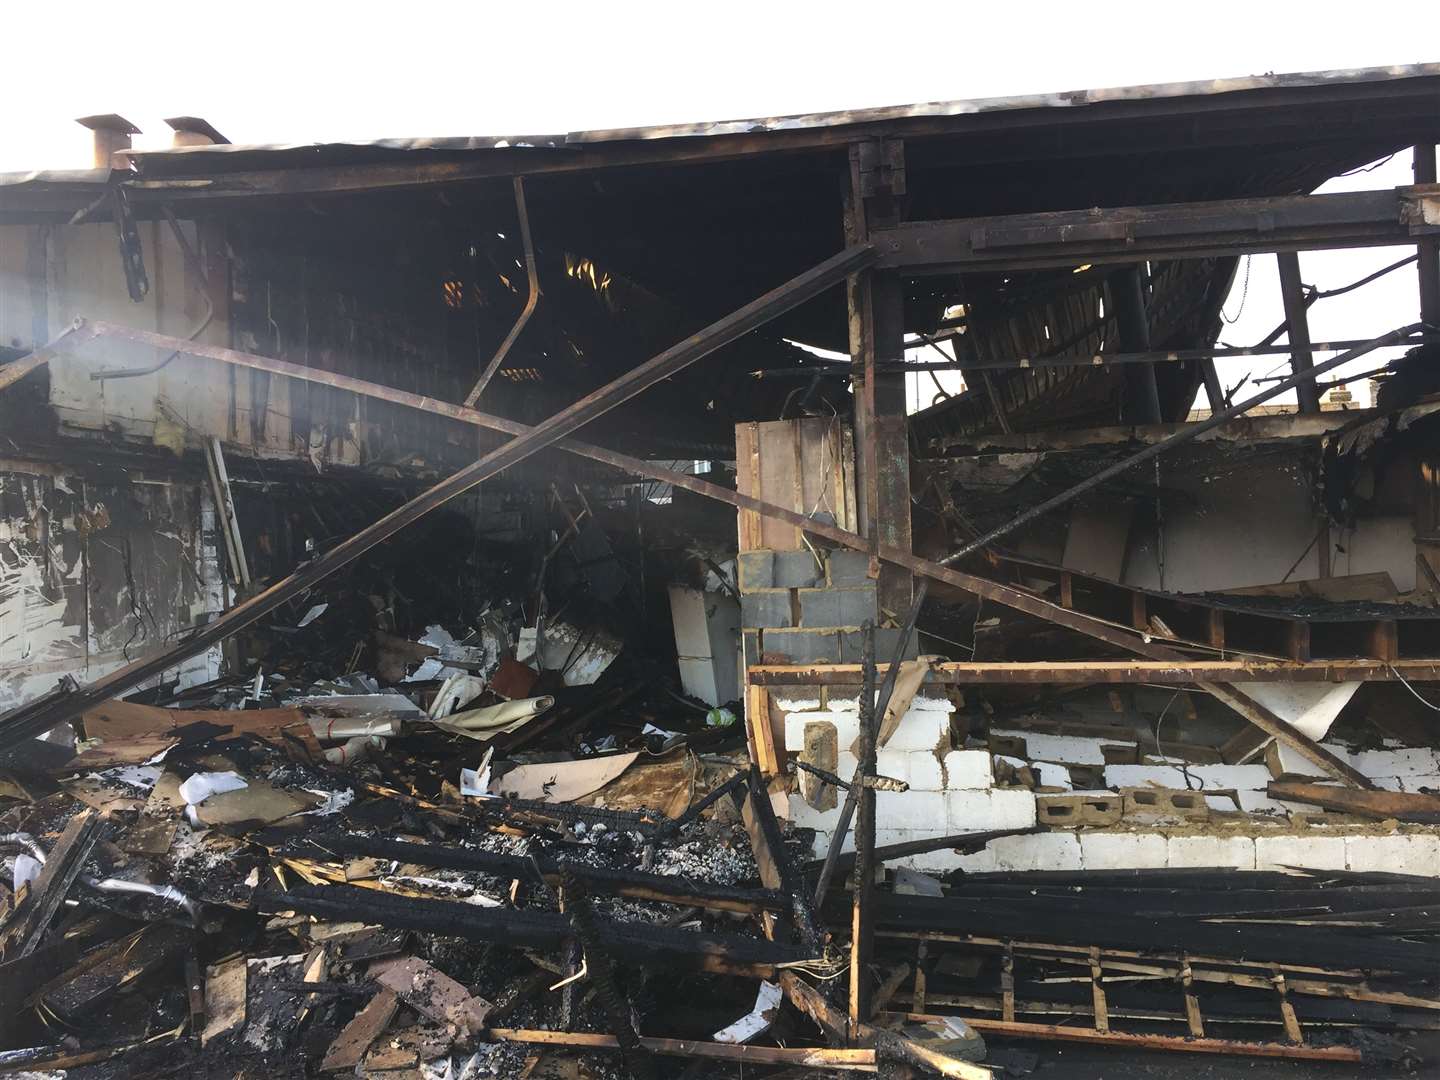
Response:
column 658, row 887
column 1078, row 672
column 729, row 953
column 1176, row 231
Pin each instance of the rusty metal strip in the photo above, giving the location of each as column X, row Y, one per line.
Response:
column 999, row 593
column 532, row 300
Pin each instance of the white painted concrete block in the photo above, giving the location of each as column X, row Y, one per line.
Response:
column 1257, row 802
column 1231, row 851
column 936, row 862
column 795, row 700
column 921, row 729
column 1123, row 851
column 1430, row 782
column 822, row 843
column 1398, row 854
column 845, row 765
column 922, row 811
column 967, row 770
column 932, row 702
column 806, row 816
column 925, row 774
column 1412, row 761
column 978, row 862
column 1075, row 749
column 1011, row 808
column 1038, row 851
column 1314, row 852
column 1242, row 777
column 985, row 811
column 893, row 763
column 1123, row 776
column 967, row 811
column 1050, row 774
column 1290, row 762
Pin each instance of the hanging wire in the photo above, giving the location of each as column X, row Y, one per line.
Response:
column 1423, row 701
column 1244, row 295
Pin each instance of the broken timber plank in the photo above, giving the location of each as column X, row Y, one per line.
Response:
column 805, row 1057
column 891, row 1044
column 1021, row 1030
column 432, row 993
column 226, row 986
column 30, row 920
column 351, row 1045
column 1403, row 806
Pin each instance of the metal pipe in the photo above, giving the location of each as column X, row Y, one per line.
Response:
column 533, row 277
column 167, row 893
column 1189, row 432
column 198, row 269
column 838, row 368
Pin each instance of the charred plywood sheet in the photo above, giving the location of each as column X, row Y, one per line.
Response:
column 95, row 573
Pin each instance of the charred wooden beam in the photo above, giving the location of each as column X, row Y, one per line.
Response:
column 1187, row 1044
column 777, row 868
column 797, row 1056
column 715, row 952
column 1403, row 806
column 757, row 313
column 1075, row 672
column 663, row 888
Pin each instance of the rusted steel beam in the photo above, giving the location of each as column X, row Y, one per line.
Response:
column 1074, row 672
column 17, row 369
column 532, row 300
column 862, row 919
column 1002, row 594
column 1297, row 326
column 757, row 313
column 1174, row 231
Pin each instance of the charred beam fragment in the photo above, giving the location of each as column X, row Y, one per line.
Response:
column 718, row 952
column 659, row 887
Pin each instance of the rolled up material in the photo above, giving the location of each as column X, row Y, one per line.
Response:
column 494, row 720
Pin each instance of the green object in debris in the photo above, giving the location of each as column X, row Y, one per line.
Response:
column 720, row 718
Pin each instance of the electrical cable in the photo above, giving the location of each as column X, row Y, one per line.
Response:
column 1406, row 683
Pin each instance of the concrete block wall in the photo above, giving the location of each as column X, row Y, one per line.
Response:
column 953, row 791
column 801, row 608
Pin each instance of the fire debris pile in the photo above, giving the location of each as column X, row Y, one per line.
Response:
column 380, row 880
column 432, row 878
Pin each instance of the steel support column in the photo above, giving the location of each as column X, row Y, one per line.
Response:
column 1297, row 325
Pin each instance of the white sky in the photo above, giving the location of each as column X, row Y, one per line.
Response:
column 313, row 71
